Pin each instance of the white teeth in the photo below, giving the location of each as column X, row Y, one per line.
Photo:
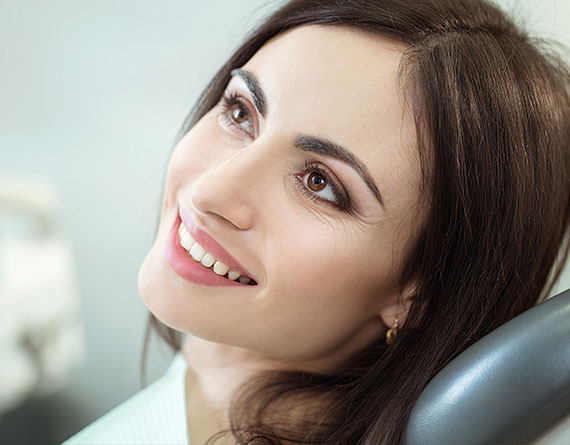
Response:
column 186, row 241
column 197, row 251
column 220, row 268
column 233, row 274
column 208, row 259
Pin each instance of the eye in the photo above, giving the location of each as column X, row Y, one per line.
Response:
column 235, row 114
column 317, row 184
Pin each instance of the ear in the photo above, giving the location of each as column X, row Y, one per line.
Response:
column 398, row 307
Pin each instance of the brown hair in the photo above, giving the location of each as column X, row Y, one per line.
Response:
column 492, row 110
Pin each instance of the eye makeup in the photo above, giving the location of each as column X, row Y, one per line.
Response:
column 310, row 143
column 233, row 109
column 341, row 199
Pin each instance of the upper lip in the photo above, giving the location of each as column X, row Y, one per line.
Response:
column 210, row 244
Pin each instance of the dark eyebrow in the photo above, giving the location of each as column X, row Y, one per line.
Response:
column 310, row 143
column 334, row 150
column 254, row 88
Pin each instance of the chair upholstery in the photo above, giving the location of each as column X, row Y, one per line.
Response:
column 509, row 387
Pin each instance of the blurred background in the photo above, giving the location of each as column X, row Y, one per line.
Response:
column 92, row 94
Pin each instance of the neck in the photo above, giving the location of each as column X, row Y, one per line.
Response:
column 215, row 372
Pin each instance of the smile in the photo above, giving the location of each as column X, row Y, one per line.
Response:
column 197, row 257
column 199, row 254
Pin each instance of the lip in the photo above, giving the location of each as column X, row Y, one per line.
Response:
column 192, row 270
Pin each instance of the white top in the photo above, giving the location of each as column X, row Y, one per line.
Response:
column 154, row 415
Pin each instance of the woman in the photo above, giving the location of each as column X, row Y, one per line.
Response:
column 363, row 190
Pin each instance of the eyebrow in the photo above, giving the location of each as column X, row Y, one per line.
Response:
column 254, row 88
column 310, row 143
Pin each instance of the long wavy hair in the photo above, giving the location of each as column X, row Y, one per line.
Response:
column 492, row 112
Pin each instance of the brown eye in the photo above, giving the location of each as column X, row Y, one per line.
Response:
column 316, row 182
column 318, row 185
column 236, row 116
column 239, row 115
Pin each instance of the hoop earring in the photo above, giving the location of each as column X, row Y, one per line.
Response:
column 392, row 332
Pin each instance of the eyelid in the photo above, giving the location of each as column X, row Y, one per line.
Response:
column 231, row 97
column 258, row 121
column 343, row 202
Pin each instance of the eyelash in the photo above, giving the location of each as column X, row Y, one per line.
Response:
column 342, row 202
column 229, row 99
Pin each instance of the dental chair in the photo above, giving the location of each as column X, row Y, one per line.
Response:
column 510, row 387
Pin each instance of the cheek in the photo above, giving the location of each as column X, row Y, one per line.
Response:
column 158, row 285
column 194, row 154
column 312, row 252
column 322, row 291
column 184, row 161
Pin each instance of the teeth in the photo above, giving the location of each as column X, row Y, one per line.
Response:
column 208, row 260
column 186, row 241
column 198, row 253
column 233, row 274
column 220, row 268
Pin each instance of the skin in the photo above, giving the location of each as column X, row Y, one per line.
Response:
column 328, row 281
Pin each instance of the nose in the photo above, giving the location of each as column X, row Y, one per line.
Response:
column 233, row 190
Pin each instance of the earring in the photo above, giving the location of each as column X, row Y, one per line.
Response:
column 392, row 332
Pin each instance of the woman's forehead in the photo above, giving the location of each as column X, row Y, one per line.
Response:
column 322, row 66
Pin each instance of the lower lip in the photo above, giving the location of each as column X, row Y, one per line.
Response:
column 187, row 267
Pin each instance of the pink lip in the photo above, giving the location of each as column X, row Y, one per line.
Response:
column 187, row 267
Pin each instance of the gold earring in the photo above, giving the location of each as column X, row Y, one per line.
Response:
column 392, row 332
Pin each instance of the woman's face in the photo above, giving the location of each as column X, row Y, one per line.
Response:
column 306, row 179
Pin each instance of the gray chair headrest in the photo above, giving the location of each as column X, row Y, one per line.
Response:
column 509, row 387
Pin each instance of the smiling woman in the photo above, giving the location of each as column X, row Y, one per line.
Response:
column 364, row 190
column 292, row 206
